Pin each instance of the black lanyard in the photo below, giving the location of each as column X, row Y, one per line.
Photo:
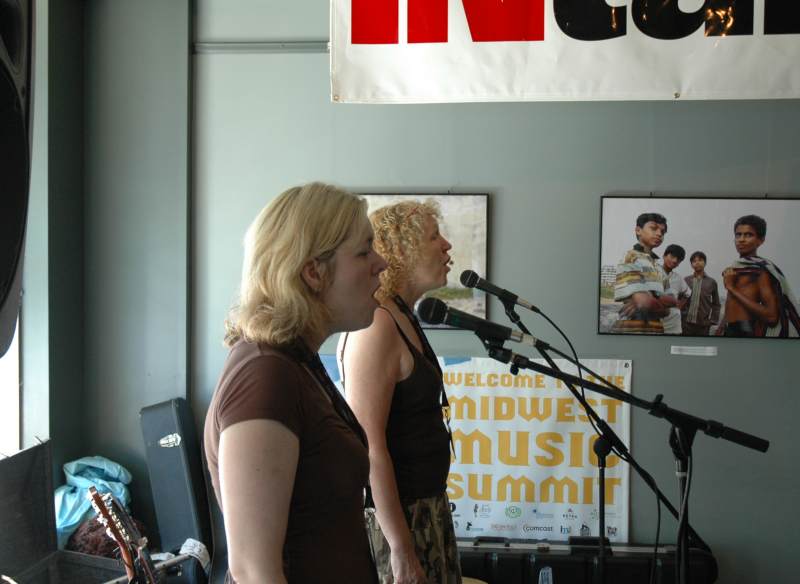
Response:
column 427, row 350
column 341, row 406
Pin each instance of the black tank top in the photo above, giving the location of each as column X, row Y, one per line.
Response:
column 416, row 435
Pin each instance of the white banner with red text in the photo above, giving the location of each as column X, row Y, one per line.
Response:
column 524, row 463
column 428, row 51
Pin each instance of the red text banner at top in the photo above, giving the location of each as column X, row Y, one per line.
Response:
column 377, row 21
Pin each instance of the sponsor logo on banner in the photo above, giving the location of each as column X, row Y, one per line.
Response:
column 566, row 530
column 611, row 531
column 537, row 528
column 503, row 527
column 569, row 515
column 585, row 531
column 513, row 512
column 471, row 527
column 539, row 515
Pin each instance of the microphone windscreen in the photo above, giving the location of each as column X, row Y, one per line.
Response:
column 432, row 310
column 469, row 278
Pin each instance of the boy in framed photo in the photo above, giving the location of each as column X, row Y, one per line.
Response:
column 639, row 281
column 675, row 286
column 760, row 302
column 702, row 310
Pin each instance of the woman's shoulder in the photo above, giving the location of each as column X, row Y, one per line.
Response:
column 379, row 338
column 248, row 362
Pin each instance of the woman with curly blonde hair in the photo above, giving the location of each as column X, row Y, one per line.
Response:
column 280, row 441
column 394, row 384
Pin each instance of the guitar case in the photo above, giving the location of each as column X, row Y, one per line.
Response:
column 177, row 481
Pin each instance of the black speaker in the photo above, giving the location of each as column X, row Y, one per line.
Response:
column 16, row 42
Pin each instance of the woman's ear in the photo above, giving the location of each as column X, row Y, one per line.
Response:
column 311, row 275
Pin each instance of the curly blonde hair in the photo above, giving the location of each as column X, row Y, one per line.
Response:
column 399, row 229
column 304, row 223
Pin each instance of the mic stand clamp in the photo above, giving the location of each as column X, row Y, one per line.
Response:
column 495, row 349
column 509, row 304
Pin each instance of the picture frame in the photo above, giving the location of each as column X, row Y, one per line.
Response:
column 464, row 224
column 756, row 298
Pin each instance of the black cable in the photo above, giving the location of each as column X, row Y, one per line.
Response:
column 654, row 565
column 580, row 374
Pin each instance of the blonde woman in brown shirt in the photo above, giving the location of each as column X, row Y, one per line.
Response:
column 287, row 458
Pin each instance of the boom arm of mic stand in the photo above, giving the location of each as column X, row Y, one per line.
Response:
column 714, row 429
column 655, row 408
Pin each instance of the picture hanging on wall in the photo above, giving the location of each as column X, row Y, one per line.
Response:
column 463, row 224
column 699, row 266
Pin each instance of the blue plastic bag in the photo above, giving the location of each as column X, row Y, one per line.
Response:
column 72, row 504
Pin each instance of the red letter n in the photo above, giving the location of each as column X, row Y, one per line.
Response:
column 374, row 22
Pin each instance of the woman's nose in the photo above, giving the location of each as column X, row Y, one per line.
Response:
column 381, row 264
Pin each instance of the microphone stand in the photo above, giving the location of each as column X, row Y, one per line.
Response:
column 602, row 446
column 681, row 444
column 686, row 423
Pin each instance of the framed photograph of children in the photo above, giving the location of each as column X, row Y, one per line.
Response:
column 699, row 266
column 464, row 219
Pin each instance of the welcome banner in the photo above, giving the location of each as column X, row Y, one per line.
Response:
column 411, row 51
column 524, row 464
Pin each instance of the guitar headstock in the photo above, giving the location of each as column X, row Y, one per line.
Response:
column 121, row 528
column 106, row 508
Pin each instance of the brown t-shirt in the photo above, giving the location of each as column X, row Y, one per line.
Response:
column 325, row 537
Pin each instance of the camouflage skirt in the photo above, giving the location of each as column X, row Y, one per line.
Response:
column 431, row 528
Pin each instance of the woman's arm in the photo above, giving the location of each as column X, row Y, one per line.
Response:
column 257, row 465
column 372, row 365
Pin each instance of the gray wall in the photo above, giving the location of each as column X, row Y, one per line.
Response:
column 264, row 122
column 136, row 216
column 105, row 314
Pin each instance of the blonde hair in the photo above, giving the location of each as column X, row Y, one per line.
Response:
column 399, row 230
column 304, row 223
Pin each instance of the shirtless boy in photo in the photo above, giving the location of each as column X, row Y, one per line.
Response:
column 760, row 302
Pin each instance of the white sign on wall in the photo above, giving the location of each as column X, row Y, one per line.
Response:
column 411, row 51
column 524, row 464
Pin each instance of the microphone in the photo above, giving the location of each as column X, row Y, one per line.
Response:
column 472, row 280
column 434, row 311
